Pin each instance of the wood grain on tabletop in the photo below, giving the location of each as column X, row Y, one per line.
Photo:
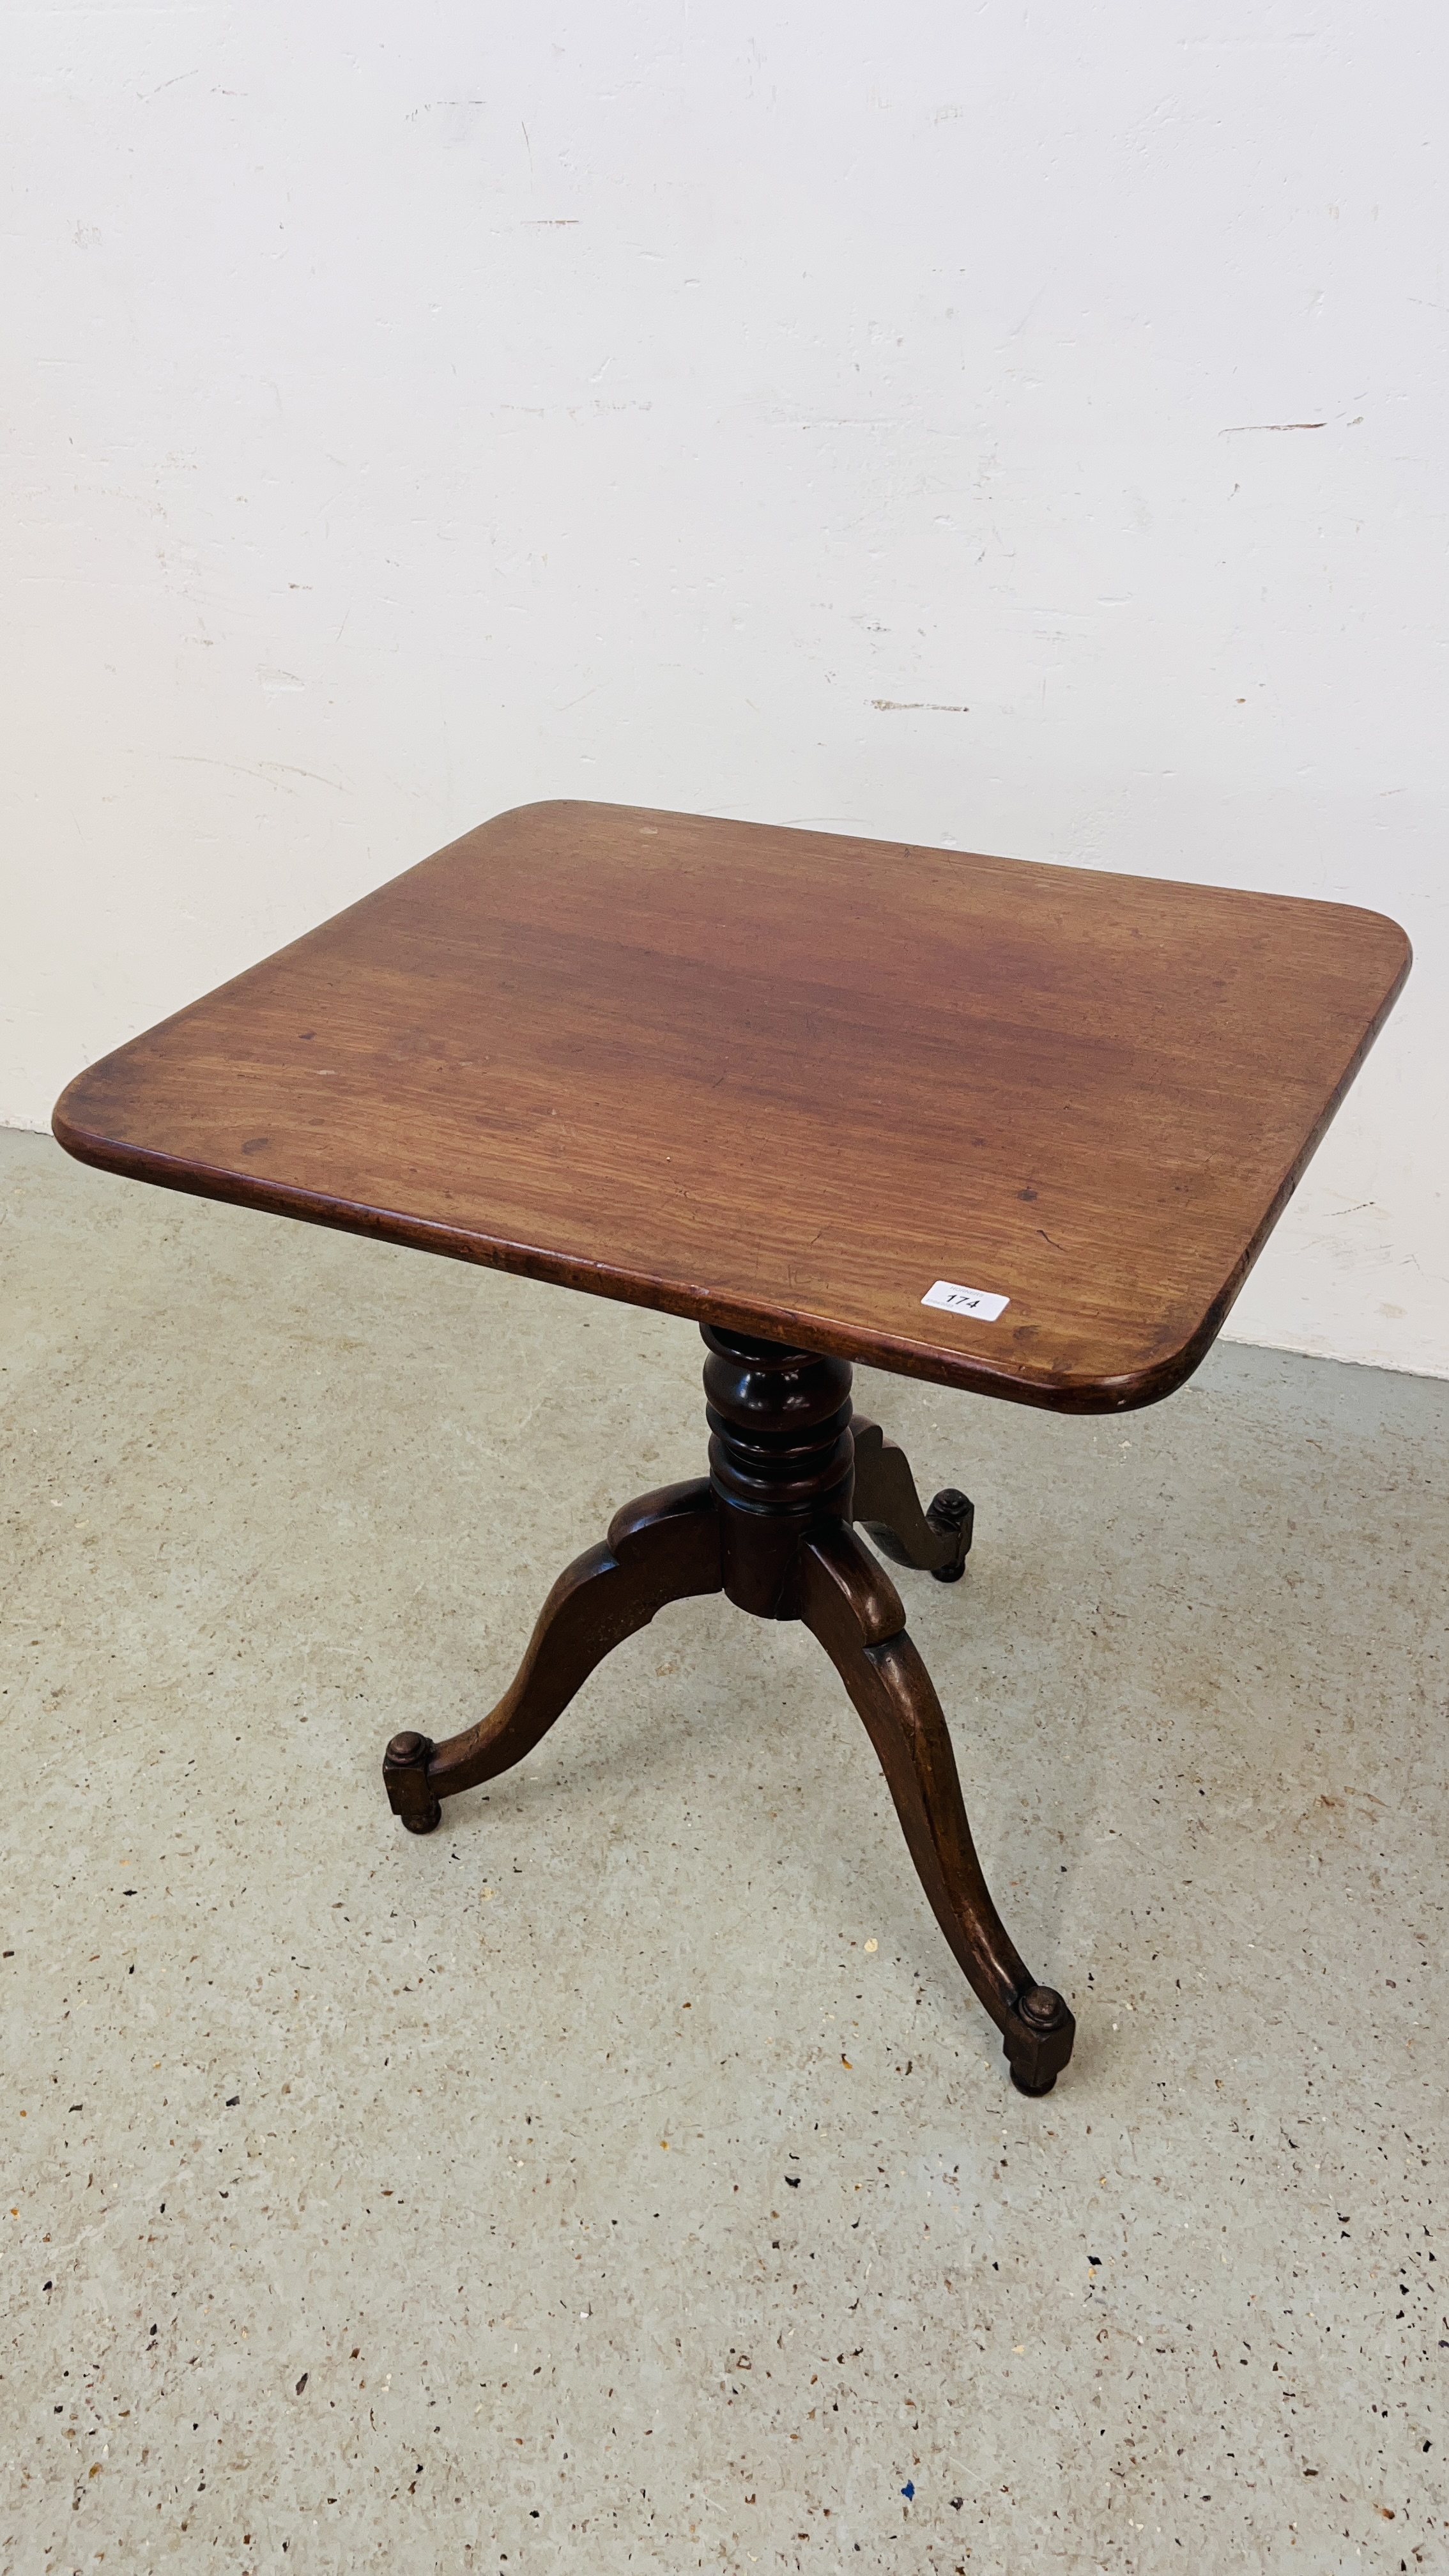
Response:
column 784, row 1081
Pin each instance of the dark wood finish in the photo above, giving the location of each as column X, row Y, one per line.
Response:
column 665, row 1547
column 784, row 1082
column 850, row 1603
column 888, row 1507
column 780, row 1455
column 771, row 1528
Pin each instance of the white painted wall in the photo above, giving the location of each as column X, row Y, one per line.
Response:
column 876, row 417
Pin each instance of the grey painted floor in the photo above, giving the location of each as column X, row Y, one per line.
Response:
column 623, row 2178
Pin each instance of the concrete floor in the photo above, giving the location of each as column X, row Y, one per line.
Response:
column 624, row 2178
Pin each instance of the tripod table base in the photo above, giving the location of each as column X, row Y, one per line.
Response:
column 793, row 1467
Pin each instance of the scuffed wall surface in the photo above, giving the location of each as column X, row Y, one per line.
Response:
column 1010, row 429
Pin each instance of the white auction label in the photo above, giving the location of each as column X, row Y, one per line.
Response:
column 966, row 1301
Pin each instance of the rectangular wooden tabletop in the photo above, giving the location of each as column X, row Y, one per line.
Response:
column 789, row 1082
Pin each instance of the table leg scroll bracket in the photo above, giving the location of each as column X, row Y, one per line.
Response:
column 661, row 1548
column 887, row 1506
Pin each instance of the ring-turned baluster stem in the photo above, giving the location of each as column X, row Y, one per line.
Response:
column 780, row 1457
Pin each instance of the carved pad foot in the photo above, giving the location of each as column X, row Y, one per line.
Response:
column 951, row 1516
column 1038, row 2036
column 405, row 1778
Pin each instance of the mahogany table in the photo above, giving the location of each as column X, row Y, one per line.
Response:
column 1015, row 1128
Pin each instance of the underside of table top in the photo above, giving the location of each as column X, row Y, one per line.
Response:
column 786, row 1082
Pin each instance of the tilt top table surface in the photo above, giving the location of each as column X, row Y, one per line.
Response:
column 1019, row 1129
column 786, row 1081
